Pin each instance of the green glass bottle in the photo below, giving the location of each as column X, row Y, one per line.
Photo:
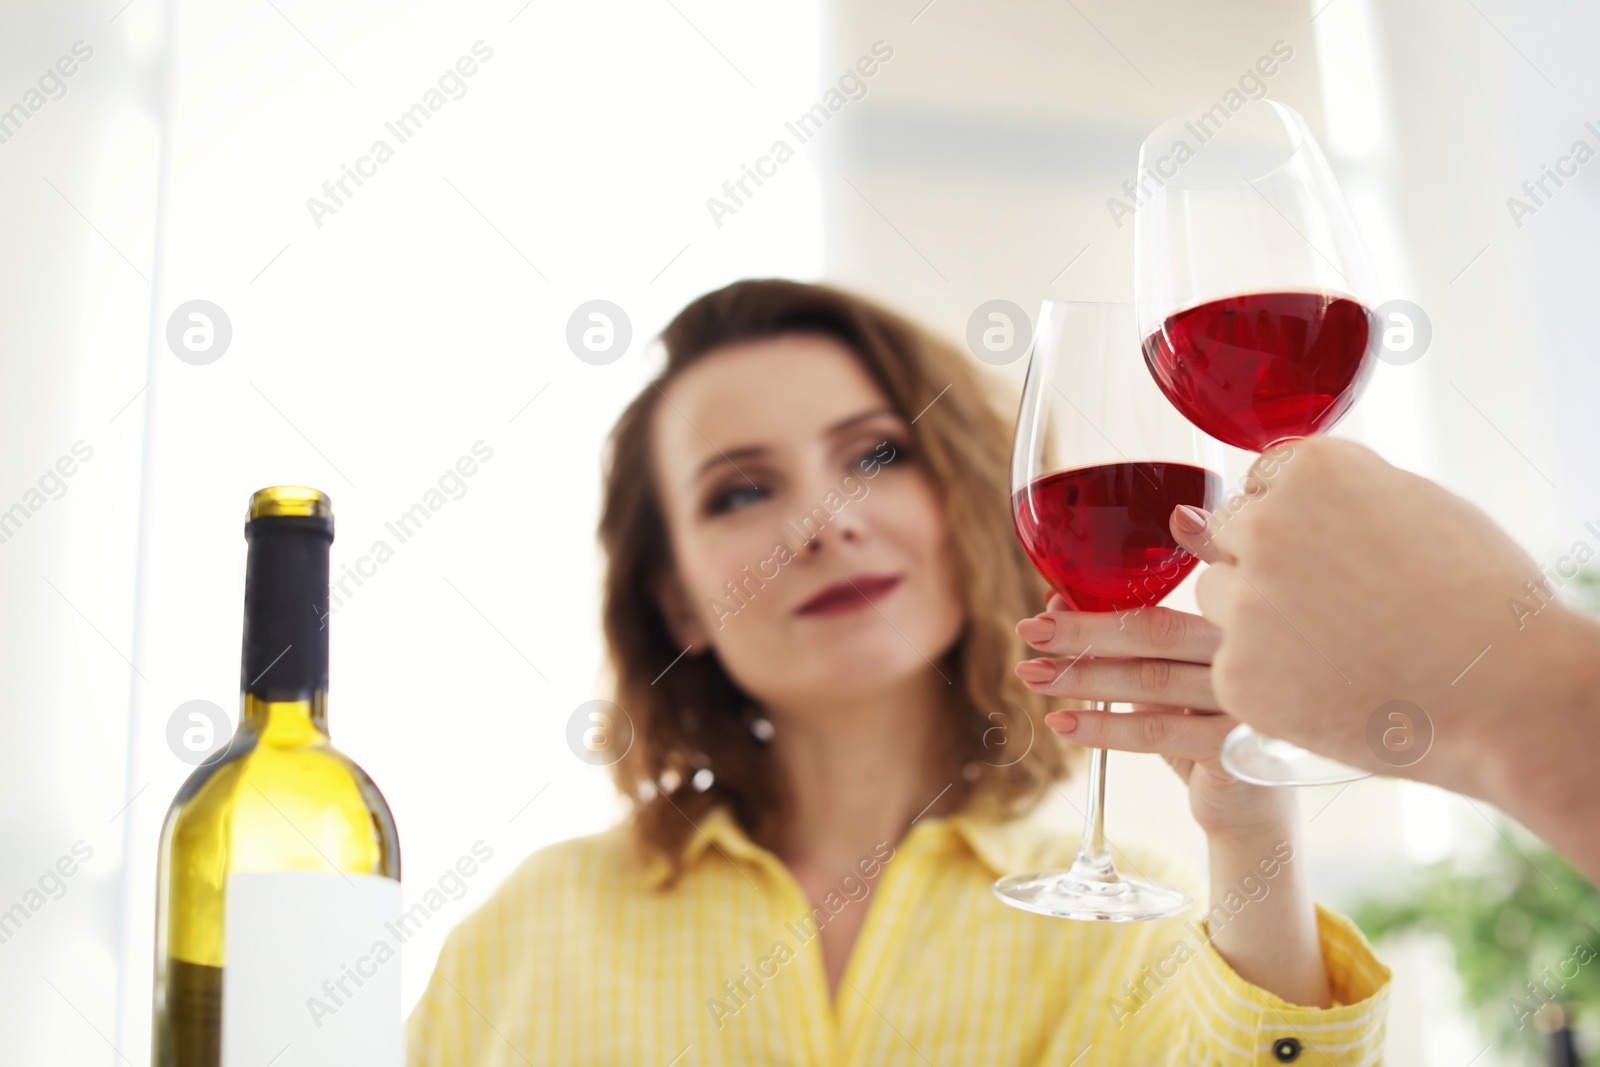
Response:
column 279, row 861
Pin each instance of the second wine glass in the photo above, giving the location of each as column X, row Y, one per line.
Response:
column 1100, row 461
column 1255, row 296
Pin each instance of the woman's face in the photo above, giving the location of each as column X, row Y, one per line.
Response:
column 761, row 446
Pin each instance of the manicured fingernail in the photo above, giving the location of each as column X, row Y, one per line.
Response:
column 1190, row 520
column 1036, row 670
column 1062, row 722
column 1037, row 630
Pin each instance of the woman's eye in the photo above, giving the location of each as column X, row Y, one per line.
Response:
column 881, row 454
column 735, row 498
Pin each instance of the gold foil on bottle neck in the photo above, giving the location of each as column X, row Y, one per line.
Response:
column 289, row 500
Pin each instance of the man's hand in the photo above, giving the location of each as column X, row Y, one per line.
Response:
column 1342, row 583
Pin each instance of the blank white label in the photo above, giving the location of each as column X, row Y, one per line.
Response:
column 311, row 976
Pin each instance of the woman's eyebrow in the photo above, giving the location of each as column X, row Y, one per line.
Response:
column 748, row 451
column 845, row 424
column 722, row 457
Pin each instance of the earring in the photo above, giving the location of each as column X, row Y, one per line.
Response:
column 670, row 780
column 759, row 725
column 703, row 778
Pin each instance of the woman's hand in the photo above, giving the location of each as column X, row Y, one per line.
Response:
column 1159, row 660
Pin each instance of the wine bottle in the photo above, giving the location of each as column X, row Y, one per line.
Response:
column 279, row 870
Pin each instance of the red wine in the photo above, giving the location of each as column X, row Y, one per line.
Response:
column 1254, row 370
column 1099, row 535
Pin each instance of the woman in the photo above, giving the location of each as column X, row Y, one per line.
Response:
column 810, row 603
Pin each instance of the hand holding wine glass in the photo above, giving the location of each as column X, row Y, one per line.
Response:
column 1159, row 660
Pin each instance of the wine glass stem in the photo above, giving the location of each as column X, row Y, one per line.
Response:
column 1093, row 855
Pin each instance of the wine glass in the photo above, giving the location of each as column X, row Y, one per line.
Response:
column 1254, row 294
column 1099, row 463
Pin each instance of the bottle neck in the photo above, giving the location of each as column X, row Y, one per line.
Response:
column 284, row 668
column 287, row 723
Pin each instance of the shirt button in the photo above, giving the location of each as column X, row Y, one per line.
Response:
column 1286, row 1050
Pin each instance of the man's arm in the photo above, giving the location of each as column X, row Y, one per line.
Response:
column 1544, row 773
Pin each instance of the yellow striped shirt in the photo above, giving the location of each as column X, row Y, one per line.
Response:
column 581, row 957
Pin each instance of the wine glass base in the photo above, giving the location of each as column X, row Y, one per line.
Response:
column 1066, row 895
column 1262, row 760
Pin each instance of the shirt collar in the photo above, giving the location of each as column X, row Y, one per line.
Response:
column 717, row 827
column 1003, row 846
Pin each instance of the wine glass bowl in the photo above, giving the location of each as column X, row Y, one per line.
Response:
column 1258, row 369
column 1253, row 286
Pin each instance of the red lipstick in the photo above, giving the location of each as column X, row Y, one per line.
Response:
column 851, row 594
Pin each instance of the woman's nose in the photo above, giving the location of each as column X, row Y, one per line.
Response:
column 832, row 514
column 814, row 545
column 841, row 527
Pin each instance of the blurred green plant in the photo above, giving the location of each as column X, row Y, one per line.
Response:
column 1586, row 589
column 1525, row 928
column 1524, row 925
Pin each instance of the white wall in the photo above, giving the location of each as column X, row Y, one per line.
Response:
column 78, row 180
